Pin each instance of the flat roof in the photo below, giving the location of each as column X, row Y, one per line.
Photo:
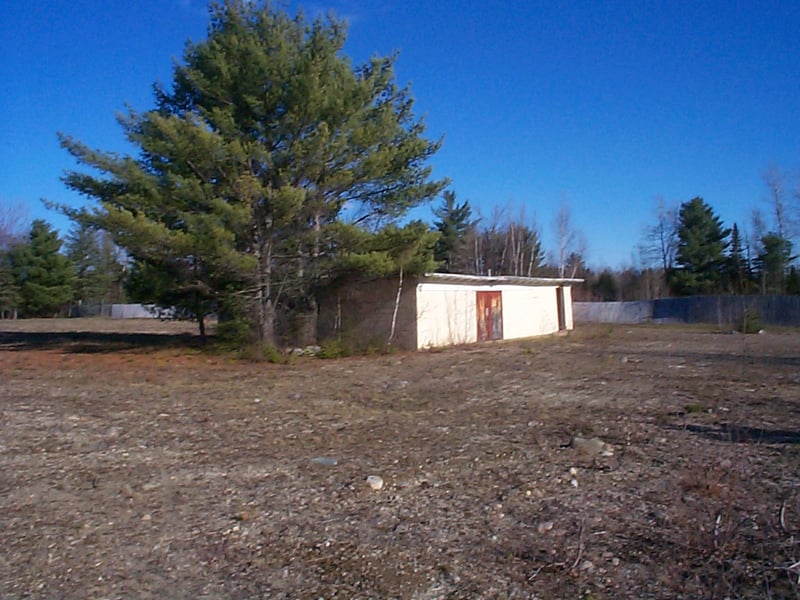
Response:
column 500, row 279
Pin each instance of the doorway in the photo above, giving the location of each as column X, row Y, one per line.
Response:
column 490, row 315
column 562, row 315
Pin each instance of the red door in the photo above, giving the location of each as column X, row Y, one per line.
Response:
column 490, row 315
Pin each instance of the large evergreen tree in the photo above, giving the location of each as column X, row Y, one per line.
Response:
column 43, row 276
column 267, row 135
column 702, row 241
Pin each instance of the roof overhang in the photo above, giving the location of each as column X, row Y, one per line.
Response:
column 499, row 279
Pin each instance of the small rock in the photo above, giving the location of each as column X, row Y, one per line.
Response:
column 544, row 526
column 375, row 482
column 623, row 360
column 325, row 460
column 615, row 561
column 573, row 483
column 147, row 517
column 591, row 446
column 587, row 565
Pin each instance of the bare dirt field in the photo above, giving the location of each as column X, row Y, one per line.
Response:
column 134, row 463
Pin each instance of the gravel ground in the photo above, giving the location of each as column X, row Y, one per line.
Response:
column 135, row 463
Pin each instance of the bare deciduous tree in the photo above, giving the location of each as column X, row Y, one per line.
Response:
column 13, row 220
column 776, row 182
column 568, row 241
column 506, row 245
column 661, row 239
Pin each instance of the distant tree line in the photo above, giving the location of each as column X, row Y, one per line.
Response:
column 689, row 251
column 41, row 276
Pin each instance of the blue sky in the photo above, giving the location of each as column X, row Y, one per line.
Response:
column 606, row 106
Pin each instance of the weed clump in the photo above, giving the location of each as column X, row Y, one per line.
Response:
column 751, row 321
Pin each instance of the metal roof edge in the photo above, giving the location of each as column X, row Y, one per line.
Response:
column 500, row 279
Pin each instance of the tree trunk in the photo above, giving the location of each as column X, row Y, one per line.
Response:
column 265, row 314
column 396, row 309
column 201, row 323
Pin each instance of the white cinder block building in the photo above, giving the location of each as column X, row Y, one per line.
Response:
column 445, row 309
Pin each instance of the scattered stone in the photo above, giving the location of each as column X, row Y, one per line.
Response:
column 591, row 446
column 544, row 526
column 375, row 482
column 587, row 566
column 113, row 432
column 573, row 482
column 325, row 460
column 615, row 561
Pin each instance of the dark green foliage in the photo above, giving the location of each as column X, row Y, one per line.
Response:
column 99, row 271
column 736, row 274
column 454, row 224
column 772, row 263
column 409, row 248
column 702, row 241
column 9, row 292
column 248, row 163
column 335, row 348
column 44, row 277
column 606, row 288
column 793, row 281
column 751, row 321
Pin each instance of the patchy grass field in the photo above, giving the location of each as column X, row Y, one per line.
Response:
column 133, row 463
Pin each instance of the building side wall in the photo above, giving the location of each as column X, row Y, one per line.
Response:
column 568, row 308
column 360, row 314
column 446, row 313
column 530, row 311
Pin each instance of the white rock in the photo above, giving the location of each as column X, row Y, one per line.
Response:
column 375, row 482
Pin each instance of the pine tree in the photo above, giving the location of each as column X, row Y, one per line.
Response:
column 454, row 223
column 772, row 263
column 266, row 136
column 44, row 276
column 9, row 292
column 736, row 271
column 97, row 267
column 702, row 242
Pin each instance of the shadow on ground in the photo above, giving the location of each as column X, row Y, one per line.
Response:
column 739, row 434
column 85, row 342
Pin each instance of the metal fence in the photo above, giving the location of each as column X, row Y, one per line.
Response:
column 719, row 310
column 121, row 311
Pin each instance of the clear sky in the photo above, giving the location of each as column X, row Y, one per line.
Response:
column 604, row 105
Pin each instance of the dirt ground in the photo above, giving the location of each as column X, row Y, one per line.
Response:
column 134, row 463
